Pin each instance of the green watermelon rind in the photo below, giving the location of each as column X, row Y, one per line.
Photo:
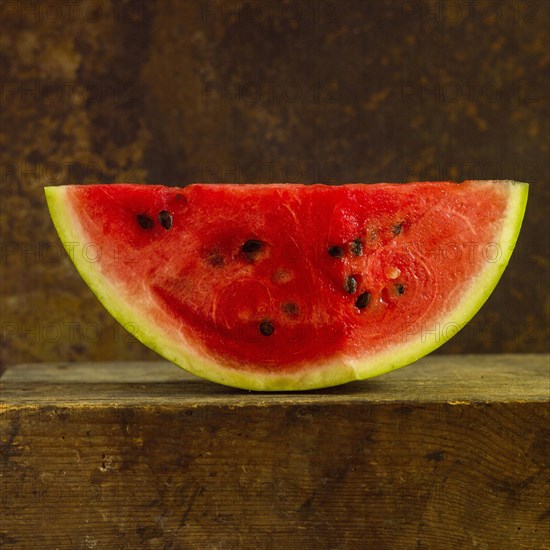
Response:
column 331, row 373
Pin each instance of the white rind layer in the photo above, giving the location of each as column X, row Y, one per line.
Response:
column 338, row 371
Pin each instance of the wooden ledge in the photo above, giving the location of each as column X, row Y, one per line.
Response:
column 434, row 379
column 451, row 452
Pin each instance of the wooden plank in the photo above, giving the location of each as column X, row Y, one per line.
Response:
column 449, row 453
column 435, row 378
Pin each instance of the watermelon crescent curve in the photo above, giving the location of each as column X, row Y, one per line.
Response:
column 330, row 373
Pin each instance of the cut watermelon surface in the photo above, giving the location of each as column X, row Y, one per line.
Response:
column 286, row 286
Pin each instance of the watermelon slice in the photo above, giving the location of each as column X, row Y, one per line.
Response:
column 291, row 287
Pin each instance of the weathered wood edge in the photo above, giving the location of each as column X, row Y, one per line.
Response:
column 439, row 379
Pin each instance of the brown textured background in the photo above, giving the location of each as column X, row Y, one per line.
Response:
column 177, row 91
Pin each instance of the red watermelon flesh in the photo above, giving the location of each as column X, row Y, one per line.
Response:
column 284, row 286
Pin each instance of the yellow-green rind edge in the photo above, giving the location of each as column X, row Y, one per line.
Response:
column 331, row 373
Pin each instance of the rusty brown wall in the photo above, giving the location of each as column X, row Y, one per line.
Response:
column 175, row 91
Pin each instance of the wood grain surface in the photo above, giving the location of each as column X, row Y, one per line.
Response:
column 452, row 452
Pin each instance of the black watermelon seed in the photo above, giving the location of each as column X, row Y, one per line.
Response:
column 399, row 288
column 145, row 221
column 165, row 219
column 266, row 328
column 181, row 199
column 291, row 308
column 336, row 251
column 251, row 246
column 356, row 247
column 397, row 228
column 350, row 284
column 362, row 300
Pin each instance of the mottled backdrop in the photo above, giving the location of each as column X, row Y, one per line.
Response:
column 176, row 91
